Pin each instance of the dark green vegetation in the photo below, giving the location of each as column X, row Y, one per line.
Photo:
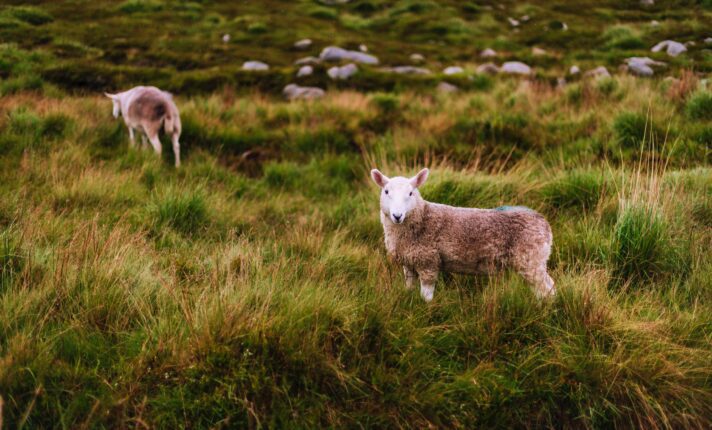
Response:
column 177, row 44
column 250, row 288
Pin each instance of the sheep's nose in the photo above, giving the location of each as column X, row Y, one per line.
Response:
column 397, row 217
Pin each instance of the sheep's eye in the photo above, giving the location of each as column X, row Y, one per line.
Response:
column 386, row 191
column 411, row 193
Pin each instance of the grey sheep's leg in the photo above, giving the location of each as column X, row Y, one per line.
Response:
column 409, row 278
column 176, row 148
column 428, row 278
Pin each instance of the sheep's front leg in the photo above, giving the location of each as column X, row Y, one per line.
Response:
column 132, row 138
column 427, row 283
column 409, row 277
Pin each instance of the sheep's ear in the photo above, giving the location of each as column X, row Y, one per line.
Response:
column 112, row 96
column 379, row 178
column 419, row 179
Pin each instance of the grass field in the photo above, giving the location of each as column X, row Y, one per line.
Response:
column 251, row 289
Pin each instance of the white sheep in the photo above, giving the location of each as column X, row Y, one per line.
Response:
column 146, row 109
column 426, row 238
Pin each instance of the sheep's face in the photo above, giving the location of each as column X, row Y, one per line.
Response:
column 117, row 104
column 399, row 195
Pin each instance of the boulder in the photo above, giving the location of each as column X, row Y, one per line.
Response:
column 488, row 53
column 407, row 70
column 303, row 44
column 538, row 52
column 487, row 68
column 334, row 53
column 305, row 71
column 453, row 70
column 513, row 22
column 363, row 48
column 708, row 40
column 417, row 58
column 307, row 60
column 672, row 48
column 642, row 66
column 516, row 68
column 294, row 92
column 598, row 72
column 225, row 38
column 254, row 66
column 446, row 88
column 343, row 72
column 574, row 70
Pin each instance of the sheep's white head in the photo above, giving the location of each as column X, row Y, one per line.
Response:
column 399, row 195
column 116, row 100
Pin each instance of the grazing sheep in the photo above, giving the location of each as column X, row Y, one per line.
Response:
column 145, row 109
column 426, row 238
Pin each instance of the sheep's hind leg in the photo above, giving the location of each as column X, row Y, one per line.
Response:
column 144, row 141
column 156, row 143
column 427, row 284
column 132, row 138
column 541, row 282
column 409, row 278
column 176, row 148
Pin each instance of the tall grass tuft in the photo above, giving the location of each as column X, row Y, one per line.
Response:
column 575, row 189
column 699, row 106
column 182, row 210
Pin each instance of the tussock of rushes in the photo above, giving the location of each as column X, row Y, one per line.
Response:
column 135, row 293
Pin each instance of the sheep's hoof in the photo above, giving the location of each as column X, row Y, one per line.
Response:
column 427, row 293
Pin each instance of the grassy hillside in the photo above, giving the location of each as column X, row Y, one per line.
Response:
column 251, row 289
column 107, row 45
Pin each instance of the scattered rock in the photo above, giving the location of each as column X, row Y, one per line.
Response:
column 305, row 71
column 294, row 92
column 560, row 82
column 516, row 68
column 574, row 70
column 488, row 53
column 598, row 72
column 334, row 53
column 363, row 48
column 408, row 70
column 690, row 43
column 303, row 44
column 513, row 22
column 672, row 48
column 641, row 66
column 538, row 52
column 343, row 72
column 654, row 23
column 453, row 70
column 254, row 66
column 647, row 2
column 446, row 88
column 708, row 40
column 225, row 38
column 417, row 58
column 487, row 68
column 524, row 18
column 307, row 60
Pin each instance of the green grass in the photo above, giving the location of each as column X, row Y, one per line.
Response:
column 251, row 288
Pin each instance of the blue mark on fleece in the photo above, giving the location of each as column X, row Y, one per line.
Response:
column 512, row 208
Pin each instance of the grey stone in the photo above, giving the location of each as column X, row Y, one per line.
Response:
column 446, row 88
column 672, row 48
column 305, row 71
column 254, row 66
column 598, row 72
column 294, row 92
column 642, row 66
column 303, row 44
column 487, row 68
column 488, row 53
column 574, row 70
column 408, row 70
column 334, row 53
column 453, row 70
column 417, row 58
column 307, row 60
column 343, row 72
column 516, row 68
